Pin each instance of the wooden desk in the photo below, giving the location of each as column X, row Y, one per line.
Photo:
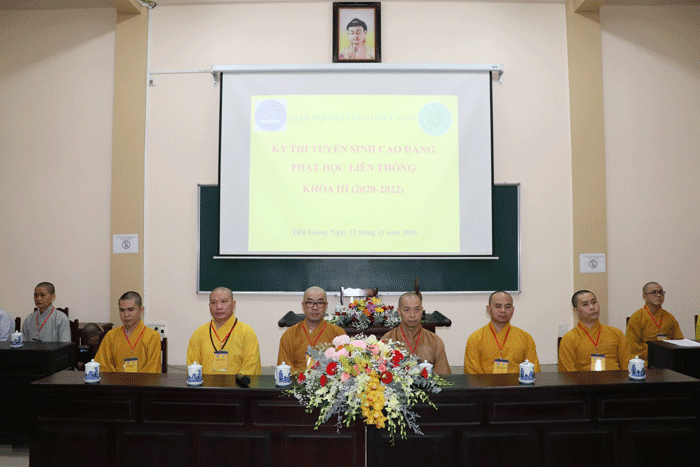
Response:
column 591, row 419
column 19, row 367
column 684, row 360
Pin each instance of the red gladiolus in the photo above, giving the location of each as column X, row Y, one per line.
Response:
column 323, row 380
column 387, row 377
column 301, row 378
column 331, row 368
column 424, row 373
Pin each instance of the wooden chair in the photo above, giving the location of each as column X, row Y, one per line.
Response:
column 558, row 344
column 75, row 331
column 349, row 294
column 627, row 321
column 164, row 354
column 18, row 323
column 65, row 310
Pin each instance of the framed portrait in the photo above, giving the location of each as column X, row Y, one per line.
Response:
column 357, row 32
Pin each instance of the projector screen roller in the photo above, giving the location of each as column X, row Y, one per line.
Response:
column 368, row 162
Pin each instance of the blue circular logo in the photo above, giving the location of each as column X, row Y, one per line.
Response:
column 270, row 115
column 435, row 119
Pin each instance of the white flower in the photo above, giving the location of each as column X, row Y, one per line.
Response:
column 341, row 340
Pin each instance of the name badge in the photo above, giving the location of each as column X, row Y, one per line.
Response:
column 662, row 337
column 597, row 362
column 131, row 365
column 220, row 360
column 500, row 366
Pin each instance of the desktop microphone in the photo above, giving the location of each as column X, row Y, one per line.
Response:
column 242, row 380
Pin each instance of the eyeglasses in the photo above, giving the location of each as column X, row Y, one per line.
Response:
column 657, row 293
column 310, row 304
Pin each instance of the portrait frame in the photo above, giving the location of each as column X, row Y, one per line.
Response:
column 368, row 14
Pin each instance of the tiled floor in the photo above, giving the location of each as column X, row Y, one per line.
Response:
column 14, row 456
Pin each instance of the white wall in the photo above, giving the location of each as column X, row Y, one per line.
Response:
column 56, row 93
column 651, row 63
column 531, row 145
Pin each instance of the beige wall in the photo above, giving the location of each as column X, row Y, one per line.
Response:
column 532, row 144
column 56, row 143
column 651, row 74
column 56, row 94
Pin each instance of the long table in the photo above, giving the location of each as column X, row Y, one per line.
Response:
column 19, row 367
column 591, row 419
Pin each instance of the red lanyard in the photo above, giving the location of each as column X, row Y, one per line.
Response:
column 317, row 337
column 211, row 328
column 658, row 325
column 132, row 347
column 500, row 347
column 413, row 351
column 589, row 336
column 42, row 324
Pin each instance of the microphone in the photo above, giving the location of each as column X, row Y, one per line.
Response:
column 242, row 380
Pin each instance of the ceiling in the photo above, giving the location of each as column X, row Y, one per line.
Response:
column 131, row 6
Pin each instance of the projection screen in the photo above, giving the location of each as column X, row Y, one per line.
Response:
column 355, row 160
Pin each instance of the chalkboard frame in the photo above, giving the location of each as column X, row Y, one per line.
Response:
column 294, row 275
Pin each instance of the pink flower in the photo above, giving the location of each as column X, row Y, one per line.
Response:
column 381, row 368
column 360, row 344
column 344, row 377
column 330, row 353
column 341, row 340
column 343, row 352
column 374, row 349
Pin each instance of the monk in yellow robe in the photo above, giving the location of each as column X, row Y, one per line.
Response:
column 499, row 347
column 592, row 346
column 314, row 331
column 225, row 345
column 651, row 322
column 132, row 347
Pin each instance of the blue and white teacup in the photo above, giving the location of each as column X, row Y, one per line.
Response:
column 16, row 339
column 92, row 372
column 283, row 375
column 636, row 369
column 527, row 372
column 194, row 374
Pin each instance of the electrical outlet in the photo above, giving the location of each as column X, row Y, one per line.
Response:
column 160, row 327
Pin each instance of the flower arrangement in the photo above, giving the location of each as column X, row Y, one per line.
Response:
column 364, row 312
column 365, row 377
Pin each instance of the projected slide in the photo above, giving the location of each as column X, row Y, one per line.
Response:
column 320, row 177
column 333, row 162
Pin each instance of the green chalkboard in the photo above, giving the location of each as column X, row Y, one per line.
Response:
column 388, row 275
